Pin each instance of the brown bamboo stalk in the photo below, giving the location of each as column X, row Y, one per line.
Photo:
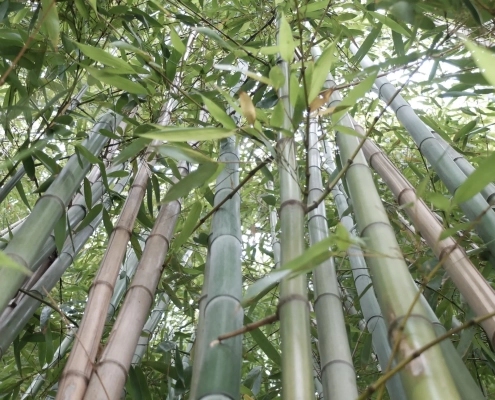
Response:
column 79, row 367
column 109, row 376
column 476, row 290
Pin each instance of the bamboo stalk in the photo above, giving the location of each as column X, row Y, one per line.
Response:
column 338, row 375
column 448, row 171
column 428, row 376
column 466, row 167
column 471, row 284
column 109, row 376
column 78, row 369
column 367, row 298
column 220, row 366
column 13, row 323
column 47, row 211
column 297, row 379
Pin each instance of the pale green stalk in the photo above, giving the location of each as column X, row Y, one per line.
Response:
column 428, row 375
column 293, row 308
column 47, row 211
column 476, row 208
column 338, row 375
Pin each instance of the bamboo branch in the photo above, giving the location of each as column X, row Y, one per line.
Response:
column 246, row 328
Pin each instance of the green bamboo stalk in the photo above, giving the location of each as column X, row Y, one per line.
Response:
column 338, row 375
column 14, row 322
column 220, row 365
column 48, row 210
column 367, row 298
column 448, row 171
column 466, row 167
column 429, row 377
column 297, row 380
column 109, row 375
column 471, row 284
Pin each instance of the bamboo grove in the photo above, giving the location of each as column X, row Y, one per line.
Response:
column 247, row 200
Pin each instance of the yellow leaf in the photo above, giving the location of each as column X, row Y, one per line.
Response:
column 247, row 107
column 320, row 101
column 326, row 111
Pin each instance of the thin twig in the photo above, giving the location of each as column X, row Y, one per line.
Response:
column 246, row 328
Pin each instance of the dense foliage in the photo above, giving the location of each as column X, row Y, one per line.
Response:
column 124, row 56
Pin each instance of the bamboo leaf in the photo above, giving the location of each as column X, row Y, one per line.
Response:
column 276, row 77
column 92, row 214
column 131, row 150
column 92, row 3
column 182, row 153
column 368, row 42
column 177, row 41
column 285, row 40
column 186, row 134
column 106, row 76
column 354, row 95
column 187, row 228
column 216, row 37
column 247, row 107
column 219, row 114
column 101, row 56
column 60, row 232
column 395, row 26
column 51, row 22
column 22, row 194
column 7, row 262
column 465, row 130
column 475, row 182
column 193, row 180
column 484, row 59
column 264, row 344
column 320, row 73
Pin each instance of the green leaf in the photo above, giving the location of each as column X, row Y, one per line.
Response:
column 347, row 131
column 307, row 261
column 368, row 42
column 131, row 150
column 395, row 26
column 106, row 58
column 277, row 77
column 216, row 37
column 484, row 59
column 186, row 134
column 92, row 214
column 22, row 194
column 93, row 4
column 193, row 180
column 219, row 114
column 465, row 130
column 7, row 262
column 182, row 153
column 51, row 24
column 264, row 344
column 354, row 95
column 60, row 232
column 177, row 41
column 285, row 40
column 320, row 73
column 120, row 82
column 475, row 182
column 342, row 237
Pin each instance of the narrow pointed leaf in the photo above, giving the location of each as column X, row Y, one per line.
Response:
column 475, row 182
column 186, row 134
column 193, row 180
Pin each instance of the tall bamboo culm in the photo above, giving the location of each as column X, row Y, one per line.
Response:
column 48, row 210
column 367, row 298
column 471, row 284
column 338, row 375
column 476, row 208
column 219, row 372
column 77, row 372
column 109, row 376
column 293, row 309
column 428, row 376
column 466, row 167
column 12, row 324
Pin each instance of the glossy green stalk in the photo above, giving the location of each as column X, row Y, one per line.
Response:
column 427, row 376
column 220, row 365
column 297, row 364
column 338, row 375
column 48, row 210
column 476, row 208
